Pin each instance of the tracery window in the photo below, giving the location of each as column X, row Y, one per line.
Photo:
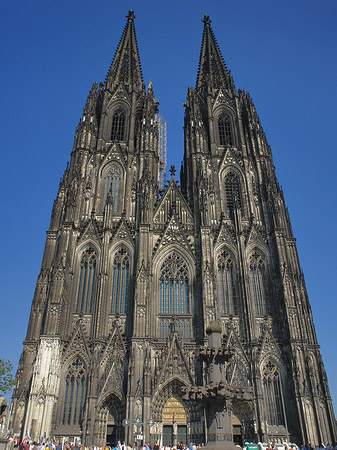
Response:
column 112, row 187
column 86, row 283
column 118, row 125
column 226, row 285
column 258, row 284
column 76, row 384
column 120, row 282
column 225, row 130
column 272, row 394
column 233, row 191
column 174, row 295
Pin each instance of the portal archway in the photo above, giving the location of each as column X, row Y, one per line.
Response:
column 174, row 422
column 109, row 428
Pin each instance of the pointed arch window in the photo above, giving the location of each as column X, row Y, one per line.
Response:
column 258, row 284
column 226, row 285
column 174, row 286
column 225, row 130
column 233, row 192
column 85, row 291
column 120, row 282
column 112, row 187
column 75, row 391
column 118, row 125
column 273, row 400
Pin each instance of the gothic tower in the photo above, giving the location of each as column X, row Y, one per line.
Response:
column 132, row 275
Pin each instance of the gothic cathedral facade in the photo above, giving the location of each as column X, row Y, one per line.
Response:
column 132, row 274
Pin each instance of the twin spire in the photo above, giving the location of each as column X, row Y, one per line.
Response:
column 212, row 69
column 126, row 68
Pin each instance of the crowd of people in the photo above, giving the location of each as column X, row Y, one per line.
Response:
column 52, row 444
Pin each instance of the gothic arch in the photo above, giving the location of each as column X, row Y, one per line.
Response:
column 229, row 135
column 175, row 388
column 233, row 183
column 118, row 122
column 119, row 284
column 175, row 295
column 89, row 242
column 174, row 247
column 84, row 281
column 229, row 249
column 121, row 242
column 272, row 377
column 275, row 359
column 259, row 247
column 112, row 184
column 110, row 410
column 225, row 243
column 114, row 156
column 73, row 391
column 113, row 397
column 76, row 348
column 172, row 388
column 225, row 264
column 259, row 282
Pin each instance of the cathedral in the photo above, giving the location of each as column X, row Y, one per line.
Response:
column 135, row 269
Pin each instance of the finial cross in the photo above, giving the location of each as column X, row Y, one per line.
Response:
column 131, row 15
column 173, row 170
column 206, row 19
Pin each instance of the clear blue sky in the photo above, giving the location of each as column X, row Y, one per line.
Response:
column 283, row 53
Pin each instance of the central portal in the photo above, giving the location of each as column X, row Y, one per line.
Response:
column 174, row 423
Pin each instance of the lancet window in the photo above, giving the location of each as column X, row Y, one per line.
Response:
column 258, row 284
column 120, row 282
column 225, row 130
column 174, row 280
column 232, row 191
column 75, row 391
column 226, row 285
column 86, row 283
column 118, row 126
column 273, row 400
column 112, row 187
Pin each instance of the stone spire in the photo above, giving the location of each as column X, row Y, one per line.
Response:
column 212, row 70
column 125, row 66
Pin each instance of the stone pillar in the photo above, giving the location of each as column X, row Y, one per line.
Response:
column 44, row 388
column 218, row 404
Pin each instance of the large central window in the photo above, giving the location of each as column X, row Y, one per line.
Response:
column 174, row 296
